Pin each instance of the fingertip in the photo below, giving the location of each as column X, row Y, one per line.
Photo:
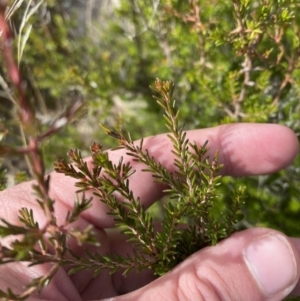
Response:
column 282, row 148
column 252, row 149
column 272, row 262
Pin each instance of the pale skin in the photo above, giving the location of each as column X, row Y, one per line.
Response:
column 216, row 273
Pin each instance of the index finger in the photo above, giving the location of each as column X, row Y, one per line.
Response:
column 245, row 149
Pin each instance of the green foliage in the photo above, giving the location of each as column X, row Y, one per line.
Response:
column 232, row 61
column 3, row 180
column 188, row 224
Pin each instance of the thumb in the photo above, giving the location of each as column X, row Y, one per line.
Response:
column 256, row 264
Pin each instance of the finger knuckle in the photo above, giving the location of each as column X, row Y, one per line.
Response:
column 193, row 286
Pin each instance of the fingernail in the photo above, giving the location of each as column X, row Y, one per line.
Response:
column 271, row 261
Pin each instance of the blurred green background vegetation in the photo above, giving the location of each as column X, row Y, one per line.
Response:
column 231, row 61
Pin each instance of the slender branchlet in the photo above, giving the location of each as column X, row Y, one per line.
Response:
column 36, row 243
column 188, row 224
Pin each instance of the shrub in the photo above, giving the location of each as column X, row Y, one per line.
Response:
column 231, row 61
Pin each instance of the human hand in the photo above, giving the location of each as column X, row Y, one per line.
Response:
column 256, row 264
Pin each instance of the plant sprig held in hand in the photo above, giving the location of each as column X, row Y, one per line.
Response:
column 187, row 224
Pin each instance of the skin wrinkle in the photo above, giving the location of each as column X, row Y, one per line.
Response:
column 208, row 287
column 207, row 291
column 187, row 286
column 209, row 280
column 215, row 287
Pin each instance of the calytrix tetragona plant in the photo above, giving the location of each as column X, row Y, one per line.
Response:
column 188, row 223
